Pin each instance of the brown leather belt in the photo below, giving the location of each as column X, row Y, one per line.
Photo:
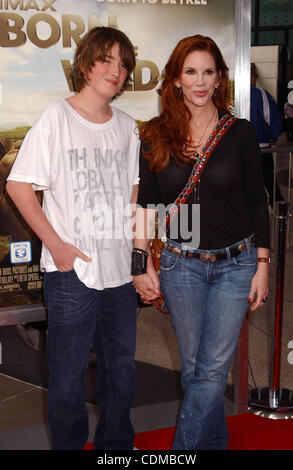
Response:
column 207, row 256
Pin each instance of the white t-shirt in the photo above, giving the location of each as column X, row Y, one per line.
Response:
column 87, row 172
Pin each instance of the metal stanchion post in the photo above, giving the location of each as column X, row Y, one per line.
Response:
column 274, row 401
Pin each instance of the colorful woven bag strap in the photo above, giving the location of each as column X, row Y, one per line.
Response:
column 218, row 133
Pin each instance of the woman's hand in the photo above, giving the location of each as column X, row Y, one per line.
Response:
column 147, row 285
column 259, row 287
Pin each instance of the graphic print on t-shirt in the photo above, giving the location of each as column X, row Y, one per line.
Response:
column 99, row 182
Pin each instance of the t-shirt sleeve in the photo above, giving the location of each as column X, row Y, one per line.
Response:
column 33, row 161
column 149, row 191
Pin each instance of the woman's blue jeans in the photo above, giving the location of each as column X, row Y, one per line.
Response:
column 207, row 302
column 79, row 318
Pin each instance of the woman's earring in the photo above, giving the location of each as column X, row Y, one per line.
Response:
column 217, row 91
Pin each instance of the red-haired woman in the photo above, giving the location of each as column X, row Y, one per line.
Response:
column 210, row 283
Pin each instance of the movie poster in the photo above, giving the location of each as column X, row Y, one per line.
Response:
column 37, row 43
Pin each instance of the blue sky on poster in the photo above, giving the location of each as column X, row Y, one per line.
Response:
column 31, row 77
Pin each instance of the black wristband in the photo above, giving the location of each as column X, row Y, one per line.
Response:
column 139, row 262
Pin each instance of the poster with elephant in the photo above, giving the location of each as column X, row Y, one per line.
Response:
column 37, row 43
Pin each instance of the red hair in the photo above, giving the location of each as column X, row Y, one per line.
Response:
column 168, row 133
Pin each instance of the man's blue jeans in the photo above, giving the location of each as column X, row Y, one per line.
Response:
column 207, row 302
column 78, row 318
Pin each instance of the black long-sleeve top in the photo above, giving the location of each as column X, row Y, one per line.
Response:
column 233, row 202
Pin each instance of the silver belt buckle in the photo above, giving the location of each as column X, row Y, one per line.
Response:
column 207, row 257
column 176, row 250
column 241, row 246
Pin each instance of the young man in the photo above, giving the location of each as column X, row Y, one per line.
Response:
column 83, row 153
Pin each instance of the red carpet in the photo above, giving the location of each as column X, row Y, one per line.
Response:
column 252, row 432
column 247, row 432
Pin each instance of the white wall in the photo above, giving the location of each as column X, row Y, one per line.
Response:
column 266, row 59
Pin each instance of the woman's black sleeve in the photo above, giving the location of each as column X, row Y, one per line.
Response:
column 149, row 191
column 254, row 188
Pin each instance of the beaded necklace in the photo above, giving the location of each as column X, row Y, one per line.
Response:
column 197, row 154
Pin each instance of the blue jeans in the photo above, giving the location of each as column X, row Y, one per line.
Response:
column 207, row 302
column 79, row 318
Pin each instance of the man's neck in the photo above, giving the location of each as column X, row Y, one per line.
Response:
column 91, row 108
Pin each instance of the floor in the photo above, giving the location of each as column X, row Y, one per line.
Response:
column 24, row 374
